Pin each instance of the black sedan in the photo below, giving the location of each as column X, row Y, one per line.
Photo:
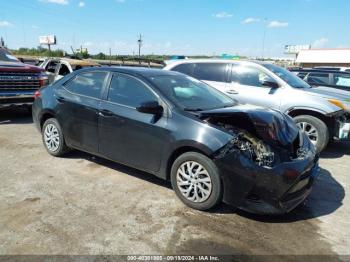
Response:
column 211, row 148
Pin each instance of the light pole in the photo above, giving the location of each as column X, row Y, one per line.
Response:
column 139, row 42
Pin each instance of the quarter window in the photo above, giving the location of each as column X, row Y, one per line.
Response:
column 129, row 91
column 211, row 72
column 87, row 84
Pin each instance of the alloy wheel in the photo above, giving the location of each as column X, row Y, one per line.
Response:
column 310, row 131
column 51, row 137
column 194, row 182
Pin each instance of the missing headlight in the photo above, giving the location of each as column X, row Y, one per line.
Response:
column 251, row 148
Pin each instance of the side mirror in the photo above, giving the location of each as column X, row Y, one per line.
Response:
column 151, row 107
column 270, row 83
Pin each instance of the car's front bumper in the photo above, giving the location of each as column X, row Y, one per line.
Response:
column 342, row 128
column 258, row 189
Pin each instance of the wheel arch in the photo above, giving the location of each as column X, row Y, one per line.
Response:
column 181, row 150
column 47, row 114
column 293, row 112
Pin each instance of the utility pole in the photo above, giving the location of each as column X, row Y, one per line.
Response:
column 110, row 56
column 2, row 42
column 139, row 42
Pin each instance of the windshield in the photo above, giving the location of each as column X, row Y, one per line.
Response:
column 191, row 94
column 290, row 78
column 6, row 56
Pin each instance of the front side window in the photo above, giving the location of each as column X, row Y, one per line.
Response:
column 129, row 91
column 288, row 77
column 87, row 84
column 191, row 94
column 342, row 80
column 211, row 72
column 249, row 76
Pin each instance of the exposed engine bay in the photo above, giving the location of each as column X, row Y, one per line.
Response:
column 250, row 147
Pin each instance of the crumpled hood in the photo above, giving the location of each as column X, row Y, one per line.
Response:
column 269, row 125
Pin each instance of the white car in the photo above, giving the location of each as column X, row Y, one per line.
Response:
column 320, row 112
column 56, row 68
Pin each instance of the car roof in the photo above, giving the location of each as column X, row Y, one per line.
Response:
column 136, row 71
column 320, row 71
column 217, row 60
column 75, row 61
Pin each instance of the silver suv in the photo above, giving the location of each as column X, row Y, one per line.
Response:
column 321, row 112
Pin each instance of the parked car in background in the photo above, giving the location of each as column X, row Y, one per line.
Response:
column 56, row 68
column 320, row 112
column 329, row 78
column 18, row 81
column 333, row 68
column 180, row 129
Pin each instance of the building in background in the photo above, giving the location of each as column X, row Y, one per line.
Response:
column 324, row 57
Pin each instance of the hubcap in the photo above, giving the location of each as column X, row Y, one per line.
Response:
column 51, row 137
column 194, row 182
column 310, row 131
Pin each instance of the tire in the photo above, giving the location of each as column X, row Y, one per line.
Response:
column 58, row 146
column 304, row 122
column 207, row 196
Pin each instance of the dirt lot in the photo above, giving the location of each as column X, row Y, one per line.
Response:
column 81, row 204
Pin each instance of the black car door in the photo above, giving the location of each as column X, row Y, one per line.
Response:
column 77, row 107
column 126, row 135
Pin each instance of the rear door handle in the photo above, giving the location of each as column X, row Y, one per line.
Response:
column 105, row 112
column 232, row 92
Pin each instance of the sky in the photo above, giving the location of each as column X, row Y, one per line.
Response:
column 181, row 27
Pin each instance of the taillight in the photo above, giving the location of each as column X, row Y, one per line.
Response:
column 37, row 94
column 43, row 79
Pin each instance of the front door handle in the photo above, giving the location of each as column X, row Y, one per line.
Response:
column 232, row 92
column 105, row 112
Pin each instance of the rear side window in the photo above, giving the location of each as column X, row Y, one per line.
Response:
column 211, row 71
column 186, row 69
column 249, row 76
column 87, row 84
column 318, row 79
column 129, row 91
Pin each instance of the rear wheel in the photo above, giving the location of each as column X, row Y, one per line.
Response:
column 196, row 181
column 53, row 138
column 315, row 129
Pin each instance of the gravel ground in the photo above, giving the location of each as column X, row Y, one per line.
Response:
column 83, row 204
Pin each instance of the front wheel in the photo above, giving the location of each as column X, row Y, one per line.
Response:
column 53, row 138
column 315, row 129
column 196, row 181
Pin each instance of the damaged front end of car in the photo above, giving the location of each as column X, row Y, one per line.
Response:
column 269, row 165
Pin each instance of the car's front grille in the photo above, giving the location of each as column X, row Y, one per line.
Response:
column 19, row 81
